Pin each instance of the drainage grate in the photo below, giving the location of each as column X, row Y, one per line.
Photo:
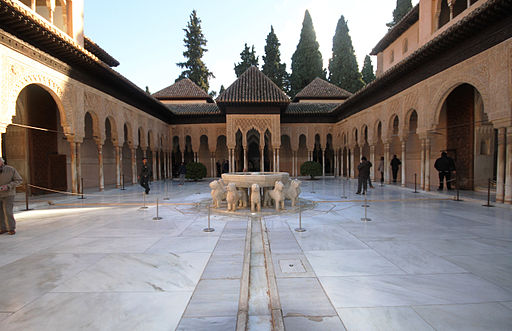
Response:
column 289, row 266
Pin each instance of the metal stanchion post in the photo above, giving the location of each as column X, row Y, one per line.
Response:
column 457, row 189
column 344, row 195
column 209, row 228
column 365, row 204
column 81, row 189
column 365, row 218
column 144, row 201
column 313, row 187
column 300, row 228
column 415, row 191
column 488, row 194
column 26, row 197
column 157, row 217
column 122, row 182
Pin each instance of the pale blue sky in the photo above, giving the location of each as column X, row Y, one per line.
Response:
column 146, row 37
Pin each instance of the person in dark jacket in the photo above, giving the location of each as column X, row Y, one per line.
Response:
column 370, row 177
column 445, row 165
column 364, row 173
column 395, row 164
column 9, row 179
column 145, row 175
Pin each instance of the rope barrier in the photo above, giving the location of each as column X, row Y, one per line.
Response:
column 52, row 190
column 79, row 194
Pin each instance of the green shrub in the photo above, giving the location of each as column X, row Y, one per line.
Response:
column 195, row 171
column 311, row 168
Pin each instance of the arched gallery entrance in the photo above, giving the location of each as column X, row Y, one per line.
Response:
column 466, row 134
column 37, row 148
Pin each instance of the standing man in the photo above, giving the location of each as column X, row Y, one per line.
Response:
column 9, row 179
column 395, row 164
column 145, row 175
column 183, row 172
column 445, row 165
column 364, row 173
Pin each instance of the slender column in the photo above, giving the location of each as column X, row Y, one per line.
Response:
column 144, row 152
column 78, row 167
column 166, row 165
column 500, row 178
column 404, row 142
column 427, row 164
column 274, row 159
column 74, row 181
column 100, row 167
column 352, row 165
column 386, row 163
column 33, row 5
column 118, row 166
column 262, row 160
column 335, row 170
column 372, row 160
column 246, row 164
column 508, row 169
column 134, row 165
column 154, row 165
column 159, row 165
column 278, row 161
column 323, row 162
column 230, row 160
column 422, row 164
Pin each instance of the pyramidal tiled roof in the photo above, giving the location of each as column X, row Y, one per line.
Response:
column 182, row 90
column 253, row 87
column 321, row 89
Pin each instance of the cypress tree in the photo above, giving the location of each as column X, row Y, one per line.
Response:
column 222, row 89
column 343, row 70
column 402, row 8
column 195, row 69
column 307, row 59
column 272, row 66
column 367, row 71
column 249, row 59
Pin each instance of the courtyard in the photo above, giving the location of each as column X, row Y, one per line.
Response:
column 423, row 262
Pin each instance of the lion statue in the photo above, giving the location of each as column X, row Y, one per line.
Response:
column 232, row 197
column 218, row 192
column 255, row 198
column 277, row 195
column 292, row 191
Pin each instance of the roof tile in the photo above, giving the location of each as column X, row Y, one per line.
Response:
column 182, row 89
column 321, row 89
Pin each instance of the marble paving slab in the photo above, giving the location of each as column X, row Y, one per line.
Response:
column 303, row 297
column 413, row 259
column 104, row 245
column 177, row 245
column 207, row 323
column 214, row 297
column 404, row 290
column 483, row 316
column 224, row 266
column 382, row 318
column 30, row 277
column 100, row 311
column 313, row 323
column 350, row 263
column 139, row 272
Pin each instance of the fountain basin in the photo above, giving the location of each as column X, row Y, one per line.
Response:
column 263, row 179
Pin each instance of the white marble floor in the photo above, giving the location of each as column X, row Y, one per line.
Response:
column 104, row 264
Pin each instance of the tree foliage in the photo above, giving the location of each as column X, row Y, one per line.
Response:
column 272, row 66
column 343, row 70
column 195, row 171
column 222, row 89
column 367, row 71
column 402, row 8
column 307, row 59
column 249, row 59
column 195, row 43
column 311, row 168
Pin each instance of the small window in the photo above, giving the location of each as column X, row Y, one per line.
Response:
column 405, row 46
column 392, row 57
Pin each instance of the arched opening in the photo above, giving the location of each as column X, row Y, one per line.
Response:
column 444, row 14
column 176, row 156
column 379, row 149
column 189, row 152
column 89, row 153
column 204, row 154
column 329, row 156
column 109, row 155
column 302, row 153
column 413, row 149
column 221, row 155
column 126, row 170
column 395, row 147
column 253, row 152
column 317, row 151
column 462, row 126
column 285, row 155
column 41, row 156
column 268, row 152
column 239, row 152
